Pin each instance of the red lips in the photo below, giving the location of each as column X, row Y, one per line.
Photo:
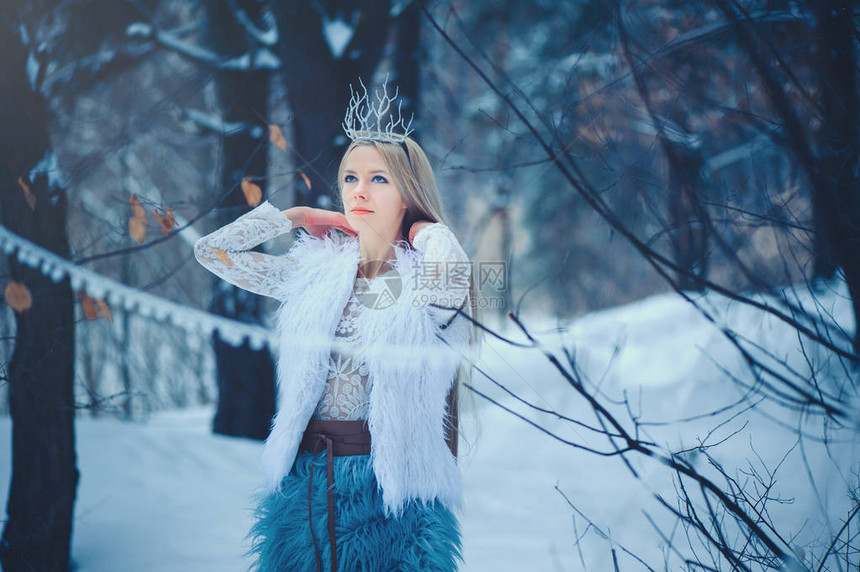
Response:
column 359, row 210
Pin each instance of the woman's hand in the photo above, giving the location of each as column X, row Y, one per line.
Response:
column 318, row 221
column 416, row 226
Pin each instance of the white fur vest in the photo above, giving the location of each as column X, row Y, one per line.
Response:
column 411, row 356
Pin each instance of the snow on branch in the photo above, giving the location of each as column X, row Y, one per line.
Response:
column 34, row 68
column 216, row 123
column 50, row 169
column 264, row 37
column 92, row 64
column 749, row 149
column 260, row 59
column 665, row 127
column 337, row 32
column 397, row 8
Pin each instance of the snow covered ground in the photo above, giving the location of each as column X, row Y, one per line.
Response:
column 168, row 495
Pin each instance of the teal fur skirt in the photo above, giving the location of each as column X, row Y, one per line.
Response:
column 423, row 537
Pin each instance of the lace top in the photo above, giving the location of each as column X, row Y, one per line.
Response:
column 227, row 251
column 347, row 387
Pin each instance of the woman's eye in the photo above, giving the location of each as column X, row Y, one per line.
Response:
column 349, row 178
column 380, row 178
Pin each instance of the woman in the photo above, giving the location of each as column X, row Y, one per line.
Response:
column 361, row 459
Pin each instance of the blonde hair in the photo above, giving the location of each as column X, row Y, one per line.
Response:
column 414, row 177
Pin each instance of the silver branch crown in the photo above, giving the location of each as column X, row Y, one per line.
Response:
column 366, row 120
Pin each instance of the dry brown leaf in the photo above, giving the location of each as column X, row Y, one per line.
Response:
column 137, row 209
column 137, row 229
column 137, row 223
column 277, row 138
column 28, row 194
column 305, row 179
column 88, row 305
column 103, row 310
column 222, row 255
column 167, row 221
column 18, row 296
column 253, row 193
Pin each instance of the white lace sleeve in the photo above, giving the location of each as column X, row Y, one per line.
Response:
column 227, row 251
column 446, row 271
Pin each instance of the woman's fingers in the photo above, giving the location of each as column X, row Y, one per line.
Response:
column 320, row 221
column 344, row 225
column 312, row 218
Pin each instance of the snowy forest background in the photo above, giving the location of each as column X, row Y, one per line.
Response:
column 671, row 186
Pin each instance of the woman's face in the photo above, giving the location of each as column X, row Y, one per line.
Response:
column 371, row 200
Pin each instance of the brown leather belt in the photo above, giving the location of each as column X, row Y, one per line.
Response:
column 336, row 438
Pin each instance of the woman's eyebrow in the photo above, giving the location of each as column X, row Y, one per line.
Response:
column 374, row 172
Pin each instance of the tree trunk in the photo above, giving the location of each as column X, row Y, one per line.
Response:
column 37, row 535
column 837, row 198
column 688, row 228
column 318, row 76
column 407, row 62
column 687, row 218
column 246, row 377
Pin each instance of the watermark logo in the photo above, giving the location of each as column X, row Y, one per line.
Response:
column 380, row 291
column 432, row 282
column 493, row 276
